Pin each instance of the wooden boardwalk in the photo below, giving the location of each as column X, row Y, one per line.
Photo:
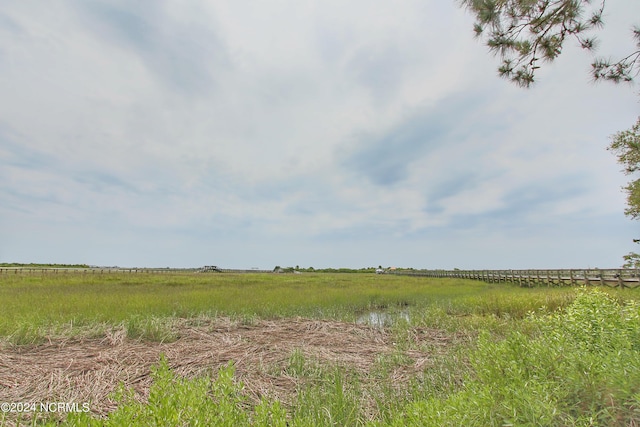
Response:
column 114, row 270
column 622, row 278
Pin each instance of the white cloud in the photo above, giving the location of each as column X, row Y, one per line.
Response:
column 304, row 129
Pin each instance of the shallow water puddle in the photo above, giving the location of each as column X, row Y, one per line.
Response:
column 380, row 319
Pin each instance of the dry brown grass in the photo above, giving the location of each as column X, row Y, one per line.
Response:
column 90, row 369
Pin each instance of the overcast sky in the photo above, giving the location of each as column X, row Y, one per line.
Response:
column 314, row 133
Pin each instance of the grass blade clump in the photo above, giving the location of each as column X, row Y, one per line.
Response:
column 175, row 401
column 580, row 367
column 150, row 328
column 334, row 401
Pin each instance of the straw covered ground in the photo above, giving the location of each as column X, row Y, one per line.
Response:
column 90, row 369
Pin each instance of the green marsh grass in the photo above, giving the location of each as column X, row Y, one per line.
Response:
column 38, row 305
column 580, row 368
column 521, row 356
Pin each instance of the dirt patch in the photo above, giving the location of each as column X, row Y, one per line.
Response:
column 88, row 370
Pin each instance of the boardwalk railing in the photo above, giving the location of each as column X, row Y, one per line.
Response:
column 110, row 270
column 623, row 278
column 92, row 270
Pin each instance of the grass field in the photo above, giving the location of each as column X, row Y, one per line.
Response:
column 452, row 352
column 40, row 305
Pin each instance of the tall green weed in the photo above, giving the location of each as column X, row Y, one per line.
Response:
column 580, row 367
column 175, row 401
